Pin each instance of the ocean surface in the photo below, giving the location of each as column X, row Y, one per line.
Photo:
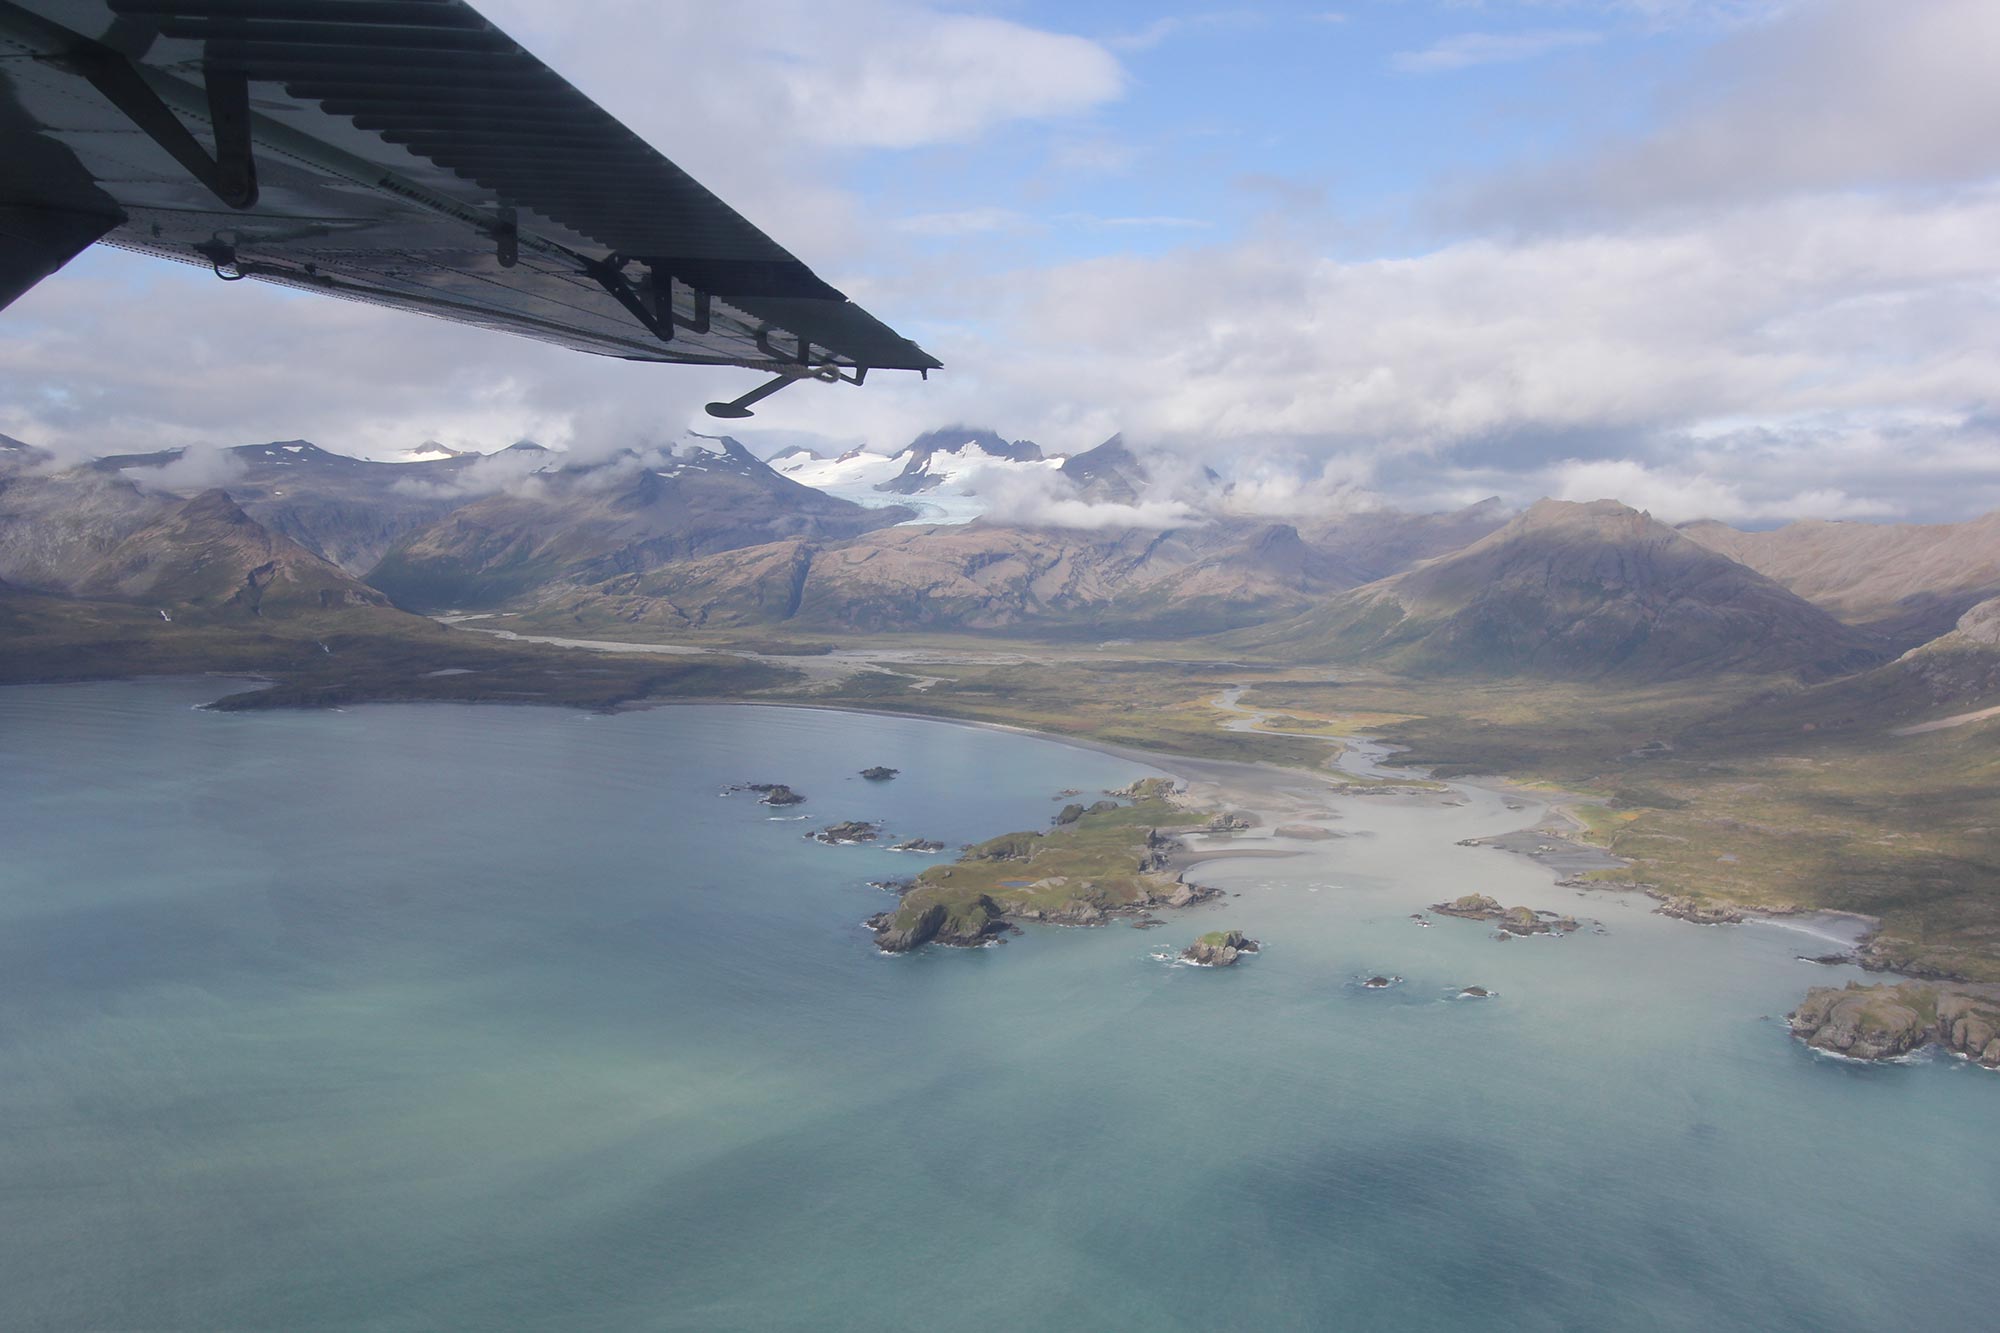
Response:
column 422, row 1017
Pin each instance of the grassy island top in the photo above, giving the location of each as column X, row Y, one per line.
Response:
column 1079, row 871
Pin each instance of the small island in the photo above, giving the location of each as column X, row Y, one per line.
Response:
column 847, row 833
column 927, row 846
column 770, row 793
column 879, row 773
column 1109, row 862
column 1887, row 1021
column 1510, row 920
column 1219, row 948
column 1475, row 993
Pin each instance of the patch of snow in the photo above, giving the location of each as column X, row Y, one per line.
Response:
column 853, row 477
column 965, row 465
column 956, row 478
column 693, row 443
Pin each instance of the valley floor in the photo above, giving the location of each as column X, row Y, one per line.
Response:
column 1737, row 794
column 1732, row 793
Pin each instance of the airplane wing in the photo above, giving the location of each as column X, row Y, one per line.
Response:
column 406, row 153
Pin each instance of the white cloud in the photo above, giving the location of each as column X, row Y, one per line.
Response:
column 199, row 467
column 1754, row 312
column 1013, row 505
column 1677, row 496
column 861, row 74
column 85, row 372
column 1836, row 95
column 1466, row 49
column 1794, row 346
column 762, row 103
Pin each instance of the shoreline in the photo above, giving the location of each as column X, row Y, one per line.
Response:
column 1273, row 793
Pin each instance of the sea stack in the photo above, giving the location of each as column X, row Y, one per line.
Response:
column 1218, row 948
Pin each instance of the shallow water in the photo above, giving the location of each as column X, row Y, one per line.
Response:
column 425, row 1016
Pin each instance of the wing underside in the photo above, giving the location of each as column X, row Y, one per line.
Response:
column 402, row 152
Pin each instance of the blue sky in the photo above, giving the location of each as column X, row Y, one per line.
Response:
column 1229, row 115
column 1728, row 258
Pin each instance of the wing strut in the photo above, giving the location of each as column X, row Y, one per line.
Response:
column 829, row 374
column 740, row 407
column 231, row 173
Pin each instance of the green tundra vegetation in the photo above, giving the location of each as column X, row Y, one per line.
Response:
column 1103, row 862
column 1735, row 791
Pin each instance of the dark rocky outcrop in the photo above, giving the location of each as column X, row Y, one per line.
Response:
column 925, row 845
column 771, row 793
column 846, row 833
column 1886, row 1021
column 962, row 924
column 1510, row 920
column 1069, row 814
column 879, row 773
column 1219, row 948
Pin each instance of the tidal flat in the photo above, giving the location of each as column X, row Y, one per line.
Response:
column 414, row 1016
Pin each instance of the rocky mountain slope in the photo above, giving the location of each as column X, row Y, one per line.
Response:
column 1910, row 581
column 1575, row 590
column 14, row 455
column 581, row 525
column 348, row 510
column 1202, row 578
column 1961, row 665
column 1108, row 474
column 980, row 577
column 57, row 526
column 1950, row 682
column 207, row 557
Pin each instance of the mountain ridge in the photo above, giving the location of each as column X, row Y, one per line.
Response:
column 1910, row 581
column 1571, row 589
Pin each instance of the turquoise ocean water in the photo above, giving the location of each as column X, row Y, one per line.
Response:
column 423, row 1017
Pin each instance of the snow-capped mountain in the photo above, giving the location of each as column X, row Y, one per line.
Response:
column 720, row 454
column 945, row 475
column 430, row 451
column 855, row 475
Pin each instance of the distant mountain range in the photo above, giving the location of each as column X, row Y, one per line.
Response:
column 947, row 475
column 577, row 526
column 704, row 535
column 1910, row 581
column 92, row 534
column 1569, row 590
